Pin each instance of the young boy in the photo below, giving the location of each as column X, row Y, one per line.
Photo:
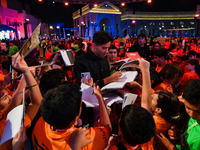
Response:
column 191, row 131
column 111, row 56
column 160, row 57
column 49, row 53
column 60, row 109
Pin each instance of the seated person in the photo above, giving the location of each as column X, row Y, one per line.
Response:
column 160, row 57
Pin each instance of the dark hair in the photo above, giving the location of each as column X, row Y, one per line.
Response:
column 184, row 58
column 137, row 125
column 155, row 77
column 170, row 70
column 61, row 46
column 170, row 106
column 157, row 42
column 162, row 52
column 102, row 37
column 195, row 63
column 191, row 53
column 6, row 65
column 49, row 46
column 142, row 35
column 191, row 92
column 61, row 105
column 112, row 47
column 51, row 79
column 198, row 55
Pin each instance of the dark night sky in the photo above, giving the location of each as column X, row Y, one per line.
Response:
column 58, row 12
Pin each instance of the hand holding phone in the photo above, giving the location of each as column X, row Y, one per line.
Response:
column 83, row 76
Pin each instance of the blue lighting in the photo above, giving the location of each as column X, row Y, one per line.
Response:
column 106, row 5
column 53, row 2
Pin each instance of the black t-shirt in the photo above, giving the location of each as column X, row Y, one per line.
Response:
column 144, row 52
column 89, row 62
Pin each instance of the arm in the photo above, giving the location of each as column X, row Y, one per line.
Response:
column 79, row 139
column 34, row 91
column 146, row 87
column 19, row 139
column 16, row 98
column 112, row 78
column 165, row 142
column 104, row 117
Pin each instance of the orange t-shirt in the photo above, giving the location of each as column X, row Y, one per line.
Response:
column 145, row 146
column 164, row 86
column 158, row 68
column 44, row 137
column 187, row 77
column 8, row 145
column 48, row 55
column 161, row 127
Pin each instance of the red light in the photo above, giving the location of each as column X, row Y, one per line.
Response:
column 66, row 3
column 149, row 1
column 122, row 4
column 95, row 5
column 133, row 21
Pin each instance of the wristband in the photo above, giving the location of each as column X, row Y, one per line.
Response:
column 28, row 87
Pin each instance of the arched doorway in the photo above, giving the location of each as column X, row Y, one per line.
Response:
column 106, row 25
column 125, row 32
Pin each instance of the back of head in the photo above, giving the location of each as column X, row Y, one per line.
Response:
column 191, row 53
column 169, row 104
column 61, row 105
column 170, row 71
column 102, row 37
column 137, row 125
column 162, row 52
column 155, row 77
column 191, row 92
column 51, row 79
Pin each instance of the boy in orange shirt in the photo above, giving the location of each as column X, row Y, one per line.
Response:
column 60, row 109
column 160, row 57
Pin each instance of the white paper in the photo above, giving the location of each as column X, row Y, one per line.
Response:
column 65, row 58
column 88, row 97
column 126, row 77
column 129, row 99
column 13, row 123
column 109, row 100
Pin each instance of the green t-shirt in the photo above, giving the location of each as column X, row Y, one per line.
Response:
column 53, row 49
column 76, row 47
column 12, row 50
column 191, row 132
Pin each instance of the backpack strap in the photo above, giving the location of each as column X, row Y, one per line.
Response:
column 121, row 146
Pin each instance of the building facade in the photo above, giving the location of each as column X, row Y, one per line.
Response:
column 18, row 21
column 117, row 21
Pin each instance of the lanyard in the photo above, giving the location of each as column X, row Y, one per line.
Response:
column 193, row 125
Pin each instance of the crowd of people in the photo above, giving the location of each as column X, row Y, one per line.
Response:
column 165, row 115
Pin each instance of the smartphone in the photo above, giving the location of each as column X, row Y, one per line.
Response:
column 84, row 74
